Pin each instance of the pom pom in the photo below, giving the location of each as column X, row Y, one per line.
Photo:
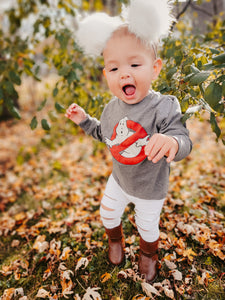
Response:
column 94, row 31
column 148, row 19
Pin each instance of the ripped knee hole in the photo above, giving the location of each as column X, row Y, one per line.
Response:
column 107, row 208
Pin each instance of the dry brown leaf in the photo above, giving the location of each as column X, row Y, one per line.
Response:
column 92, row 294
column 140, row 297
column 42, row 293
column 177, row 275
column 122, row 275
column 47, row 274
column 203, row 280
column 189, row 253
column 40, row 244
column 168, row 292
column 66, row 283
column 82, row 263
column 149, row 289
column 62, row 267
column 163, row 235
column 8, row 294
column 171, row 265
column 15, row 243
column 66, row 253
column 185, row 228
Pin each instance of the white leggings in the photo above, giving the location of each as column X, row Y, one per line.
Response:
column 147, row 212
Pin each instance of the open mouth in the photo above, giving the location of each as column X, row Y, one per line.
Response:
column 129, row 89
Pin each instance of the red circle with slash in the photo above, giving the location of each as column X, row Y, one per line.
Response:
column 139, row 133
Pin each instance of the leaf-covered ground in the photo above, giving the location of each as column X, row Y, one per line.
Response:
column 53, row 245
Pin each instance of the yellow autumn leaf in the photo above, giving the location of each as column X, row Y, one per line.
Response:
column 189, row 253
column 17, row 275
column 20, row 217
column 105, row 277
column 140, row 297
column 8, row 293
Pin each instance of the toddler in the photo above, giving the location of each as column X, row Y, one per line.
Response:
column 141, row 128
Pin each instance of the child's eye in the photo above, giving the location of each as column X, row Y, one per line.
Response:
column 135, row 65
column 113, row 69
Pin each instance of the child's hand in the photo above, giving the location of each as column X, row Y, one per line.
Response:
column 75, row 113
column 161, row 145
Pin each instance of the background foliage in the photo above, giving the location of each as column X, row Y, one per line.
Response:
column 193, row 70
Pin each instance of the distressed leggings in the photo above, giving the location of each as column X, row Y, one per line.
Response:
column 147, row 212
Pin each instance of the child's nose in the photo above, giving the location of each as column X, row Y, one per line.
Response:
column 124, row 75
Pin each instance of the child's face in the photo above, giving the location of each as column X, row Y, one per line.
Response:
column 129, row 68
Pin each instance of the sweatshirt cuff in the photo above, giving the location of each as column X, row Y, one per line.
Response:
column 85, row 123
column 184, row 148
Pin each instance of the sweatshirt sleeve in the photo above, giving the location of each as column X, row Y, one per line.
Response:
column 92, row 127
column 171, row 125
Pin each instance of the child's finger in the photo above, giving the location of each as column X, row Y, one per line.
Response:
column 154, row 147
column 161, row 153
column 171, row 155
column 73, row 106
column 149, row 147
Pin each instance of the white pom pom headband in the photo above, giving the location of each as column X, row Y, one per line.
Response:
column 147, row 19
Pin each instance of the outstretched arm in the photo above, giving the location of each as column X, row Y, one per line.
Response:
column 90, row 125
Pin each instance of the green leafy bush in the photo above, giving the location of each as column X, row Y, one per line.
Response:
column 194, row 65
column 194, row 71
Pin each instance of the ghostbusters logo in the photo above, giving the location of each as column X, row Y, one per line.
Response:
column 127, row 142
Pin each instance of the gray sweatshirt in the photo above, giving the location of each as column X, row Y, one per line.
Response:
column 126, row 129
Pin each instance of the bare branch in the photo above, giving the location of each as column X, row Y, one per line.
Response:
column 189, row 2
column 198, row 8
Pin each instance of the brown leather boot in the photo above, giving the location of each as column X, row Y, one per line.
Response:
column 116, row 244
column 148, row 260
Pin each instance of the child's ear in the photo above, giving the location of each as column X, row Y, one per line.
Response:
column 157, row 67
column 104, row 72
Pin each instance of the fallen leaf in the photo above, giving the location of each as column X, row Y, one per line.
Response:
column 66, row 274
column 8, row 294
column 105, row 277
column 171, row 265
column 189, row 253
column 40, row 244
column 42, row 293
column 140, row 297
column 185, row 228
column 66, row 283
column 168, row 292
column 66, row 253
column 47, row 274
column 15, row 243
column 62, row 267
column 122, row 275
column 149, row 289
column 82, row 263
column 91, row 294
column 177, row 275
